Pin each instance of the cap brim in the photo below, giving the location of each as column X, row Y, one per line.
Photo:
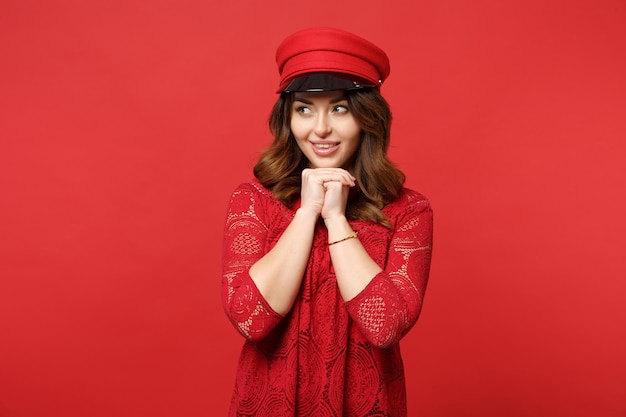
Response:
column 324, row 82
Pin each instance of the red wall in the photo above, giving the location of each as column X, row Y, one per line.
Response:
column 124, row 126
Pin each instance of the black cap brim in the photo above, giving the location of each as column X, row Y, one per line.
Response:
column 319, row 81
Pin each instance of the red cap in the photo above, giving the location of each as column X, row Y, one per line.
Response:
column 330, row 50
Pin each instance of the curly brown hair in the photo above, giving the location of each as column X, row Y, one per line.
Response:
column 379, row 181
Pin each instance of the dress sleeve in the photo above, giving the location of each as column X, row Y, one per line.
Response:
column 390, row 304
column 245, row 234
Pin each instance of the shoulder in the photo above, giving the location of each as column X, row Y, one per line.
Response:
column 252, row 191
column 252, row 195
column 253, row 187
column 410, row 207
column 411, row 212
column 413, row 196
column 409, row 200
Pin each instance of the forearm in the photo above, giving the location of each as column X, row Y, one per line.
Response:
column 278, row 274
column 391, row 302
column 354, row 268
column 383, row 312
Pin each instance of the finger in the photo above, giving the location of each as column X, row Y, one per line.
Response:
column 327, row 175
column 325, row 171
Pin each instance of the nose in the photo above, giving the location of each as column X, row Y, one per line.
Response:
column 322, row 125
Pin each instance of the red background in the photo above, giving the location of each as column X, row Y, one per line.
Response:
column 125, row 125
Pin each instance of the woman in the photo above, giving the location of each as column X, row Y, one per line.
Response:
column 326, row 256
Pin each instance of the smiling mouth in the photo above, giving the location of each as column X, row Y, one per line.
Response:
column 324, row 145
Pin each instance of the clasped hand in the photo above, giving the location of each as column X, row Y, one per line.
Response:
column 325, row 191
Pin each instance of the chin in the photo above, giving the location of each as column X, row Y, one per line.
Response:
column 325, row 165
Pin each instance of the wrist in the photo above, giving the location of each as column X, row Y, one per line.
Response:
column 353, row 235
column 306, row 212
column 338, row 227
column 335, row 220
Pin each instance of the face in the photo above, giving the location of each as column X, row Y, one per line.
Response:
column 324, row 128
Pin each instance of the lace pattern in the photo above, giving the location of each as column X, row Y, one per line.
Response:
column 326, row 357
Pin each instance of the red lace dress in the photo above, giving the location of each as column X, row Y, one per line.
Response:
column 326, row 357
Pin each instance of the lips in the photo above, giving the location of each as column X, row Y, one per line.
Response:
column 325, row 148
column 324, row 145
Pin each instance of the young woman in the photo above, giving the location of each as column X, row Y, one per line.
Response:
column 326, row 255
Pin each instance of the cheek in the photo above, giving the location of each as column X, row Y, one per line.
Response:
column 353, row 132
column 297, row 129
column 352, row 129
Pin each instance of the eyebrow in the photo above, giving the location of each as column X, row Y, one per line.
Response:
column 333, row 101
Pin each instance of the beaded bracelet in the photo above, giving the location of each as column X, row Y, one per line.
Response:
column 352, row 236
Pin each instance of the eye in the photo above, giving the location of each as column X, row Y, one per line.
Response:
column 303, row 110
column 340, row 108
